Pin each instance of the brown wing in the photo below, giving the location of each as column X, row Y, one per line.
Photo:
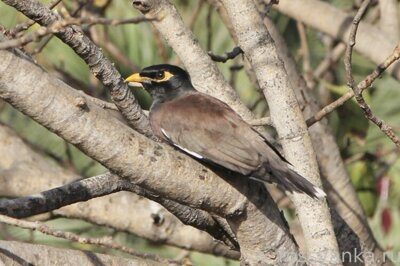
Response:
column 208, row 129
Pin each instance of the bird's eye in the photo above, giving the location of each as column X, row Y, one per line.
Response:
column 160, row 75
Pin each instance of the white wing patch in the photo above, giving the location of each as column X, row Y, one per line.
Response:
column 194, row 154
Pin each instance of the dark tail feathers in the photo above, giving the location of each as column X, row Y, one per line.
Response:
column 291, row 181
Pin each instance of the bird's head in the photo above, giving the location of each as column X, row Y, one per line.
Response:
column 163, row 82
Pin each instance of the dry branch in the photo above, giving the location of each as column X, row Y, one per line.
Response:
column 58, row 26
column 385, row 128
column 104, row 242
column 363, row 85
column 16, row 254
column 26, row 25
column 227, row 56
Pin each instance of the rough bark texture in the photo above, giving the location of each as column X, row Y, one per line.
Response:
column 259, row 48
column 341, row 192
column 98, row 64
column 372, row 42
column 151, row 221
column 16, row 253
column 155, row 167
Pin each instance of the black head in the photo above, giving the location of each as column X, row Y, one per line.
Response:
column 164, row 82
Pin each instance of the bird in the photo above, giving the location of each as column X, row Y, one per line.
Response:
column 207, row 129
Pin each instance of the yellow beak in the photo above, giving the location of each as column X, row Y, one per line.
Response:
column 136, row 78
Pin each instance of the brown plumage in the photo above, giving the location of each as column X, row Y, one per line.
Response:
column 210, row 130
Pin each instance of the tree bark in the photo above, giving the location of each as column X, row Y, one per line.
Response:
column 21, row 161
column 98, row 64
column 371, row 41
column 152, row 166
column 259, row 49
column 336, row 180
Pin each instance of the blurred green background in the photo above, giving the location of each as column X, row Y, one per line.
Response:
column 370, row 157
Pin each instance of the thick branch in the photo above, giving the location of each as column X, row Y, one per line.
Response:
column 99, row 65
column 26, row 25
column 336, row 180
column 43, row 174
column 97, row 186
column 155, row 167
column 389, row 20
column 259, row 49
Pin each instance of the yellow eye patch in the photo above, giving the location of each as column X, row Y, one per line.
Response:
column 167, row 76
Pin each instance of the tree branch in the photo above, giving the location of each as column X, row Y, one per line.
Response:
column 389, row 20
column 97, row 186
column 44, row 174
column 227, row 56
column 17, row 253
column 259, row 49
column 372, row 42
column 59, row 26
column 385, row 128
column 152, row 166
column 104, row 242
column 363, row 85
column 26, row 25
column 99, row 65
column 204, row 73
column 336, row 181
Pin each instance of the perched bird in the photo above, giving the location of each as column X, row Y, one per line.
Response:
column 208, row 129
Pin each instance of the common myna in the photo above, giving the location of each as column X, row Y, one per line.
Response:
column 209, row 130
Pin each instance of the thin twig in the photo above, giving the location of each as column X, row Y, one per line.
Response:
column 305, row 52
column 40, row 48
column 364, row 84
column 99, row 102
column 196, row 14
column 59, row 25
column 352, row 41
column 102, row 38
column 161, row 50
column 26, row 25
column 385, row 128
column 104, row 241
column 264, row 121
column 209, row 27
column 228, row 55
column 332, row 57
